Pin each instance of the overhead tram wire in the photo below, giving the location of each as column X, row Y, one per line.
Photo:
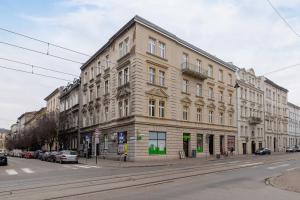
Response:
column 40, row 52
column 38, row 74
column 39, row 67
column 281, row 69
column 44, row 42
column 283, row 19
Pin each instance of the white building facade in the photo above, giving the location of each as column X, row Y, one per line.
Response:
column 250, row 114
column 294, row 125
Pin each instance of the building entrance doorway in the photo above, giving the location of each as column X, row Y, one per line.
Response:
column 244, row 148
column 186, row 143
column 222, row 145
column 253, row 147
column 274, row 145
column 211, row 144
column 260, row 145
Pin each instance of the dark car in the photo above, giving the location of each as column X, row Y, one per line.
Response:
column 37, row 153
column 263, row 151
column 3, row 159
column 45, row 156
column 52, row 156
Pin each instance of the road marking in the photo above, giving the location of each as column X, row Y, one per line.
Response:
column 219, row 163
column 251, row 164
column 11, row 172
column 82, row 166
column 292, row 169
column 66, row 166
column 234, row 162
column 93, row 166
column 27, row 170
column 278, row 166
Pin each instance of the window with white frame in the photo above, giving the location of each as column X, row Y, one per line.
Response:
column 185, row 58
column 120, row 78
column 199, row 65
column 210, row 117
column 152, row 75
column 199, row 114
column 185, row 86
column 162, row 50
column 126, row 46
column 151, row 45
column 126, row 107
column 221, row 78
column 221, row 118
column 199, row 90
column 230, row 79
column 98, row 67
column 107, row 62
column 221, row 96
column 123, row 76
column 230, row 119
column 162, row 109
column 92, row 73
column 121, row 49
column 120, row 108
column 161, row 78
column 126, row 75
column 106, row 113
column 152, row 108
column 210, row 71
column 185, row 113
column 210, row 93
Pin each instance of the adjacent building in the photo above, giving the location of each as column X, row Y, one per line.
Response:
column 294, row 125
column 276, row 116
column 158, row 94
column 250, row 106
column 69, row 116
column 23, row 120
column 3, row 135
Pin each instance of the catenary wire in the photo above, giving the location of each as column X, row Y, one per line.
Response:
column 283, row 19
column 38, row 74
column 42, row 41
column 39, row 67
column 40, row 52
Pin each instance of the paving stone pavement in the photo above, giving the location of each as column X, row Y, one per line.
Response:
column 289, row 180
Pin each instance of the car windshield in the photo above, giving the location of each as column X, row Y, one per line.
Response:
column 70, row 152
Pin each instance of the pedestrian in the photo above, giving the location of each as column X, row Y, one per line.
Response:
column 231, row 151
column 125, row 151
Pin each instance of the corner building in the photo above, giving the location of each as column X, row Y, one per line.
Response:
column 159, row 94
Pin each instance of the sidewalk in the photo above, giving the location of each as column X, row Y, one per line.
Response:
column 189, row 161
column 288, row 181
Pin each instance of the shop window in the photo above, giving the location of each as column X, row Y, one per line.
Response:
column 157, row 143
column 200, row 143
column 231, row 143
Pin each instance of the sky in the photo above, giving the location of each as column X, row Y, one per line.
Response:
column 246, row 32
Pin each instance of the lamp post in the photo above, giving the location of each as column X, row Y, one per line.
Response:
column 236, row 86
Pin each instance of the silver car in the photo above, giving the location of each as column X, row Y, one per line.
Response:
column 66, row 156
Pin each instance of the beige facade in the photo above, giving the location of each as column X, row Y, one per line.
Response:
column 162, row 94
column 3, row 135
column 68, row 116
column 276, row 116
column 250, row 106
column 52, row 101
column 293, row 125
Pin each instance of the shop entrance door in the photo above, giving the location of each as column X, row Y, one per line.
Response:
column 222, row 143
column 244, row 148
column 211, row 144
column 186, row 143
column 253, row 147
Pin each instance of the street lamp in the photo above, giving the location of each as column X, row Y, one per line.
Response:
column 236, row 86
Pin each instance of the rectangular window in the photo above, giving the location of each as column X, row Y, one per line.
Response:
column 230, row 79
column 151, row 45
column 126, row 107
column 152, row 108
column 161, row 109
column 92, row 73
column 210, row 93
column 126, row 46
column 230, row 119
column 162, row 50
column 120, row 109
column 121, row 49
column 221, row 96
column 157, row 143
column 199, row 66
column 161, row 78
column 199, row 90
column 126, row 75
column 152, row 75
column 106, row 87
column 105, row 142
column 199, row 114
column 185, row 86
column 107, row 62
column 221, row 118
column 210, row 117
column 230, row 99
column 185, row 113
column 106, row 113
column 199, row 143
column 210, row 71
column 185, row 58
column 98, row 68
column 221, row 75
column 120, row 78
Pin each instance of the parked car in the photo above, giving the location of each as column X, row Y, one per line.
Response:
column 3, row 159
column 29, row 154
column 263, row 151
column 291, row 150
column 41, row 154
column 45, row 155
column 36, row 154
column 297, row 148
column 67, row 156
column 52, row 156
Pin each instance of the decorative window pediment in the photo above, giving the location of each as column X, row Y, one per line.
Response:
column 230, row 110
column 199, row 103
column 222, row 108
column 125, row 91
column 158, row 92
column 186, row 100
column 211, row 106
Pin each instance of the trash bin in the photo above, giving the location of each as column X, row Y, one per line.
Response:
column 218, row 156
column 194, row 153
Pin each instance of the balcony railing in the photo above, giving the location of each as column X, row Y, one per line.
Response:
column 254, row 120
column 194, row 70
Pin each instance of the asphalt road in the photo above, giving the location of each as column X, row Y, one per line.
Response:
column 235, row 179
